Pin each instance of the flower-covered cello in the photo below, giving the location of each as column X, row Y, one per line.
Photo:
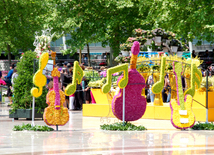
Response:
column 135, row 104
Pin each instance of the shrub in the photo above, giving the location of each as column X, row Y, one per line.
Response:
column 22, row 98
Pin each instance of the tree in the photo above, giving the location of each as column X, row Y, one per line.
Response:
column 20, row 19
column 109, row 22
column 188, row 19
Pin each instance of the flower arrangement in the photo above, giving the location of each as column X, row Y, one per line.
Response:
column 138, row 32
column 174, row 42
column 42, row 43
column 125, row 47
column 122, row 59
column 158, row 32
column 171, row 35
column 149, row 35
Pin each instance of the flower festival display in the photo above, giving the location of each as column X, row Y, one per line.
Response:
column 39, row 79
column 135, row 104
column 182, row 116
column 122, row 81
column 42, row 43
column 55, row 113
column 77, row 78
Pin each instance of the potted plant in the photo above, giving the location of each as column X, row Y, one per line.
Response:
column 22, row 99
column 158, row 34
column 137, row 32
column 165, row 38
column 149, row 37
column 125, row 48
column 174, row 43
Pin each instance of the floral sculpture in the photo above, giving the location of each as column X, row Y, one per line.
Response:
column 182, row 115
column 42, row 42
column 123, row 80
column 77, row 78
column 55, row 113
column 39, row 79
column 135, row 104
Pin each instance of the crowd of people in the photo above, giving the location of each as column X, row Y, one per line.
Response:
column 166, row 92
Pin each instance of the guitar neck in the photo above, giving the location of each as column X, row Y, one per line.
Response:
column 180, row 94
column 133, row 62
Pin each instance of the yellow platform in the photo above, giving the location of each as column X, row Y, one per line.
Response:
column 103, row 108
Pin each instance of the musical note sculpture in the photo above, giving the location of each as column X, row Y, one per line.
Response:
column 158, row 86
column 39, row 79
column 55, row 113
column 135, row 104
column 182, row 115
column 77, row 78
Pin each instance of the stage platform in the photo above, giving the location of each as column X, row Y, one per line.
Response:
column 103, row 108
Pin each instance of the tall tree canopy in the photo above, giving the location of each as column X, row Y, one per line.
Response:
column 109, row 22
column 189, row 18
column 20, row 19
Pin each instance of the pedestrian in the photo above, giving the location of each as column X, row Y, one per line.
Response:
column 193, row 54
column 86, row 90
column 7, row 79
column 150, row 83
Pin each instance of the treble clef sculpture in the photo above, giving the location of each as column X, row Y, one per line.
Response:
column 135, row 104
column 39, row 79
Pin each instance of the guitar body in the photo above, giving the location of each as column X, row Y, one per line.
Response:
column 135, row 104
column 176, row 117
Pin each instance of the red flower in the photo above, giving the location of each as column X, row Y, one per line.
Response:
column 22, row 53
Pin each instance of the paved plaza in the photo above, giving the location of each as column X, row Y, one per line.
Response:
column 82, row 135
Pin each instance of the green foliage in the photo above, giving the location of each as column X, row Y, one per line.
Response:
column 24, row 82
column 20, row 19
column 91, row 75
column 122, row 127
column 188, row 19
column 31, row 128
column 93, row 22
column 203, row 126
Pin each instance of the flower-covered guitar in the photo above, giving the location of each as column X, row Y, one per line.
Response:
column 182, row 116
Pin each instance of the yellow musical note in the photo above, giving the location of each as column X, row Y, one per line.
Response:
column 123, row 81
column 158, row 86
column 196, row 78
column 77, row 78
column 39, row 79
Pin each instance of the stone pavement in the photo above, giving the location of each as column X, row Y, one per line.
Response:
column 83, row 136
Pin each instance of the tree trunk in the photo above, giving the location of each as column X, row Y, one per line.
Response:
column 9, row 54
column 80, row 57
column 111, row 56
column 89, row 61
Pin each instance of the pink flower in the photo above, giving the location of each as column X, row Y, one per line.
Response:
column 37, row 56
column 22, row 53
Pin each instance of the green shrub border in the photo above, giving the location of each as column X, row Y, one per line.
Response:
column 122, row 127
column 203, row 126
column 29, row 127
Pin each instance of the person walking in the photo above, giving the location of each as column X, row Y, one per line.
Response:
column 7, row 79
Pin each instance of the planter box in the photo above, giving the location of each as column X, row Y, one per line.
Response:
column 25, row 113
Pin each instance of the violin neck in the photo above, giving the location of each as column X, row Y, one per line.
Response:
column 133, row 62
